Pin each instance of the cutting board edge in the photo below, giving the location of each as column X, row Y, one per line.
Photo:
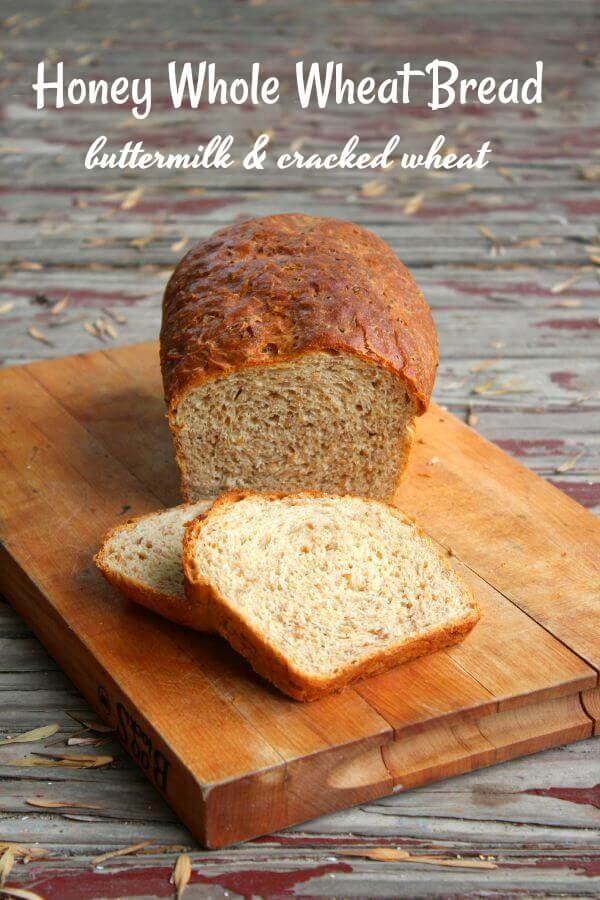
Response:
column 510, row 734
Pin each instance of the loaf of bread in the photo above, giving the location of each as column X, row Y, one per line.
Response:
column 296, row 352
column 142, row 559
column 318, row 591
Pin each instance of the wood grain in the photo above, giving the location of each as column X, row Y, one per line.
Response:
column 548, row 562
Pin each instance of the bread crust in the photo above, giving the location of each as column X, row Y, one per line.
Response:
column 267, row 660
column 179, row 610
column 275, row 288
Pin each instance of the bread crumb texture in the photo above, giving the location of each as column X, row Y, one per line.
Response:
column 327, row 583
column 328, row 422
column 147, row 550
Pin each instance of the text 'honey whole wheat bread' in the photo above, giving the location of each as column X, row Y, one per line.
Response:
column 142, row 559
column 318, row 591
column 296, row 352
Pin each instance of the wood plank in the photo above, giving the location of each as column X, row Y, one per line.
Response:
column 522, row 806
column 111, row 244
column 450, row 749
column 508, row 655
column 101, row 393
column 536, row 546
column 590, row 700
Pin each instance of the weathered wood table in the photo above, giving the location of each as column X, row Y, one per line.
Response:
column 506, row 257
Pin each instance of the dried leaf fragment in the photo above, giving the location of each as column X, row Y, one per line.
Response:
column 98, row 242
column 373, row 188
column 484, row 364
column 100, row 727
column 24, row 853
column 569, row 304
column 30, row 266
column 7, row 861
column 414, row 204
column 590, row 173
column 506, row 173
column 77, row 817
column 141, row 242
column 21, row 893
column 80, row 760
column 90, row 327
column 118, row 317
column 181, row 874
column 61, row 759
column 36, row 734
column 6, row 307
column 460, row 187
column 60, row 321
column 485, row 231
column 124, row 851
column 489, row 388
column 391, row 854
column 132, row 199
column 453, row 863
column 568, row 464
column 38, row 335
column 92, row 741
column 61, row 804
column 59, row 306
column 154, row 849
column 103, row 329
column 297, row 144
column 382, row 854
column 563, row 285
column 178, row 246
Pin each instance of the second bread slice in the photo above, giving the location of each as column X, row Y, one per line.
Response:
column 317, row 591
column 142, row 559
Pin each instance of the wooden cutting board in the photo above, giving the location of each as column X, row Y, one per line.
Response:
column 84, row 444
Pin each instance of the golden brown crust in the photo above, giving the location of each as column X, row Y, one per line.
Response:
column 266, row 660
column 275, row 288
column 272, row 665
column 177, row 609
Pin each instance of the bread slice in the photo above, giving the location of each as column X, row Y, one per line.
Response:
column 317, row 591
column 142, row 558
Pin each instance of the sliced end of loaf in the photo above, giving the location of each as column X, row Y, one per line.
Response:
column 326, row 421
column 318, row 591
column 142, row 558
